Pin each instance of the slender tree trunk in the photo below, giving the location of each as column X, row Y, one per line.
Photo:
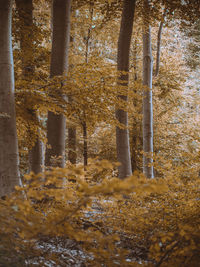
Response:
column 147, row 98
column 9, row 173
column 135, row 132
column 85, row 141
column 59, row 65
column 85, row 144
column 72, row 145
column 72, row 155
column 159, row 37
column 122, row 135
column 87, row 50
column 158, row 48
column 25, row 13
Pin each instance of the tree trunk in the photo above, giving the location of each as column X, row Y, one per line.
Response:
column 25, row 13
column 158, row 48
column 134, row 162
column 36, row 157
column 72, row 145
column 87, row 50
column 85, row 144
column 122, row 135
column 72, row 155
column 9, row 173
column 147, row 98
column 159, row 43
column 59, row 65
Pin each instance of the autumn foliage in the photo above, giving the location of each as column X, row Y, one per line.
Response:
column 109, row 222
column 84, row 215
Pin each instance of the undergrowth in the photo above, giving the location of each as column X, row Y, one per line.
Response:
column 77, row 217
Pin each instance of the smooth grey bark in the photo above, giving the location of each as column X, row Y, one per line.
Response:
column 56, row 123
column 122, row 135
column 147, row 98
column 9, row 173
column 25, row 13
column 158, row 48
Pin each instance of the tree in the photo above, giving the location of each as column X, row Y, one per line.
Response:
column 72, row 144
column 159, row 47
column 136, row 121
column 147, row 96
column 9, row 174
column 72, row 139
column 84, row 124
column 59, row 66
column 26, row 32
column 122, row 134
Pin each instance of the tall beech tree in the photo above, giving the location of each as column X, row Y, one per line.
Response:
column 122, row 134
column 9, row 174
column 147, row 95
column 25, row 14
column 56, row 123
